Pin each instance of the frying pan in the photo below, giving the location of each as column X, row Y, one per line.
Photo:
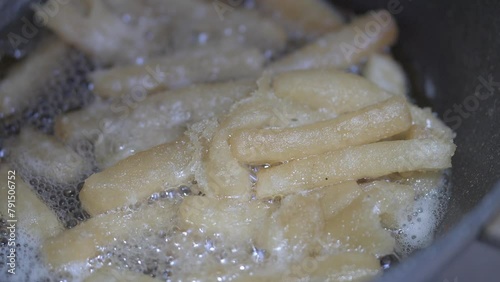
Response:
column 450, row 50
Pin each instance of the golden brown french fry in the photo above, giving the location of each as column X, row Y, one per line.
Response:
column 356, row 266
column 82, row 242
column 331, row 90
column 237, row 221
column 110, row 274
column 358, row 226
column 391, row 200
column 33, row 216
column 365, row 161
column 348, row 46
column 137, row 177
column 384, row 71
column 303, row 18
column 370, row 124
column 203, row 64
column 334, row 198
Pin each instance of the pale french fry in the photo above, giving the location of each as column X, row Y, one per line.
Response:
column 427, row 125
column 348, row 46
column 164, row 118
column 85, row 123
column 358, row 227
column 331, row 90
column 337, row 197
column 109, row 274
column 422, row 182
column 15, row 92
column 204, row 64
column 297, row 224
column 384, row 71
column 356, row 266
column 33, row 216
column 137, row 177
column 391, row 200
column 235, row 220
column 370, row 124
column 223, row 174
column 82, row 242
column 113, row 127
column 40, row 155
column 303, row 18
column 97, row 27
column 365, row 161
column 93, row 27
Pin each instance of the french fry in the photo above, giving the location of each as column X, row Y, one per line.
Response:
column 334, row 198
column 365, row 161
column 297, row 224
column 303, row 18
column 238, row 221
column 42, row 155
column 15, row 92
column 427, row 125
column 77, row 245
column 137, row 177
column 393, row 201
column 356, row 266
column 94, row 28
column 345, row 47
column 422, row 182
column 370, row 124
column 358, row 227
column 163, row 118
column 84, row 123
column 110, row 274
column 204, row 64
column 33, row 216
column 331, row 90
column 97, row 28
column 225, row 175
column 384, row 71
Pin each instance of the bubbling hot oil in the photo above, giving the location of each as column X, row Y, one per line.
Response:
column 173, row 254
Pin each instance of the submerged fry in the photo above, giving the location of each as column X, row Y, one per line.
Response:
column 137, row 177
column 215, row 63
column 82, row 242
column 303, row 18
column 348, row 46
column 33, row 216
